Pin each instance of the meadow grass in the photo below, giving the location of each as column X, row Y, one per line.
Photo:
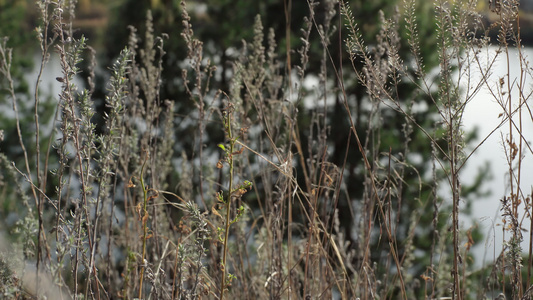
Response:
column 267, row 212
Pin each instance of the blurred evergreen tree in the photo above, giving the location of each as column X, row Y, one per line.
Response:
column 222, row 24
column 16, row 32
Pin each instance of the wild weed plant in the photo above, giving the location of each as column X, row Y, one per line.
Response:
column 258, row 215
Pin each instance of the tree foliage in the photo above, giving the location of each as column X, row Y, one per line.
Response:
column 302, row 124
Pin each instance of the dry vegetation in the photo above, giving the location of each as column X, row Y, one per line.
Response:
column 97, row 218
